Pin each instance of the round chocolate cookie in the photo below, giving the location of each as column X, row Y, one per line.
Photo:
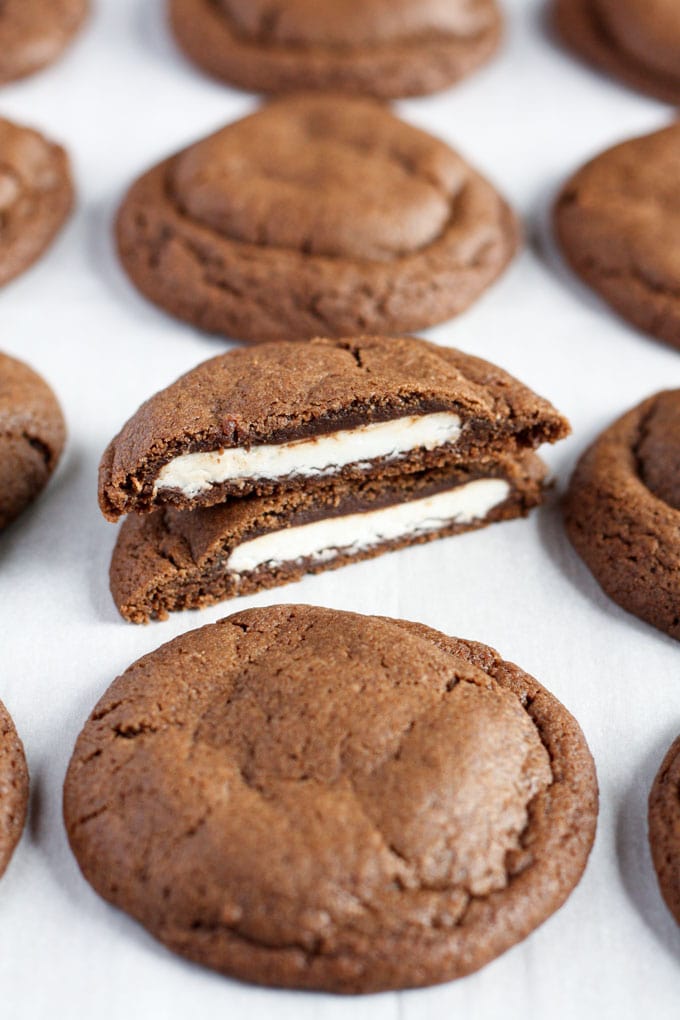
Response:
column 637, row 41
column 32, row 434
column 664, row 828
column 384, row 48
column 13, row 788
column 36, row 196
column 617, row 220
column 33, row 33
column 307, row 798
column 315, row 216
column 622, row 511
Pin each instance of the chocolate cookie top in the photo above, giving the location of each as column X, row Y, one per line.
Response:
column 13, row 788
column 622, row 511
column 385, row 48
column 33, row 33
column 617, row 220
column 315, row 215
column 308, row 798
column 278, row 393
column 664, row 828
column 32, row 435
column 635, row 40
column 36, row 196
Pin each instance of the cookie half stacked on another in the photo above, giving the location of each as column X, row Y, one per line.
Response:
column 266, row 463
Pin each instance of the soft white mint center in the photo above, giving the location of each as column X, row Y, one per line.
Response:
column 325, row 539
column 193, row 473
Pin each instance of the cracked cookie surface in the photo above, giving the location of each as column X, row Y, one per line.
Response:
column 315, row 216
column 13, row 788
column 36, row 196
column 617, row 221
column 384, row 48
column 622, row 511
column 32, row 435
column 664, row 828
column 33, row 33
column 637, row 41
column 306, row 798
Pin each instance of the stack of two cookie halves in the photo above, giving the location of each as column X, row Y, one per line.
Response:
column 269, row 462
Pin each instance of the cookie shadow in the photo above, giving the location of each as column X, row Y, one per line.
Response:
column 634, row 856
column 553, row 537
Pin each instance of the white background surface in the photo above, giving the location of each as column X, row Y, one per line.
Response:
column 122, row 99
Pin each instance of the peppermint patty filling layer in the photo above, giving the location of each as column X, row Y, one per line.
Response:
column 323, row 540
column 194, row 473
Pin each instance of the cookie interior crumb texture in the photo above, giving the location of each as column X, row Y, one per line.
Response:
column 315, row 216
column 306, row 798
column 384, row 48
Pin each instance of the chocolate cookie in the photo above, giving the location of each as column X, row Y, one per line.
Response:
column 315, row 216
column 32, row 435
column 637, row 41
column 617, row 221
column 664, row 828
column 36, row 196
column 622, row 511
column 375, row 47
column 34, row 33
column 307, row 798
column 280, row 416
column 179, row 559
column 13, row 788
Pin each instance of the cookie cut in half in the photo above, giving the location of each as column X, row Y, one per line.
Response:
column 664, row 828
column 283, row 416
column 384, row 48
column 617, row 221
column 637, row 41
column 182, row 559
column 622, row 511
column 36, row 196
column 32, row 436
column 13, row 788
column 33, row 33
column 315, row 216
column 313, row 799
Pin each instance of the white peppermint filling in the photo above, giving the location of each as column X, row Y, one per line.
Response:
column 193, row 473
column 325, row 539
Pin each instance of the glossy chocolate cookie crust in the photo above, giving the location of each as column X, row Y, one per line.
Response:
column 275, row 394
column 622, row 511
column 637, row 41
column 306, row 798
column 315, row 216
column 383, row 48
column 33, row 33
column 13, row 788
column 36, row 196
column 32, row 435
column 664, row 828
column 617, row 220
